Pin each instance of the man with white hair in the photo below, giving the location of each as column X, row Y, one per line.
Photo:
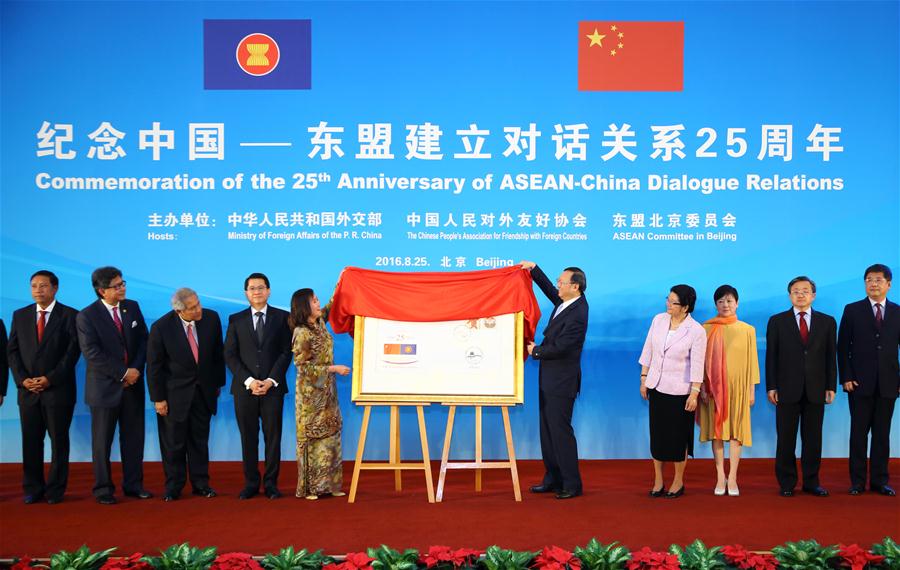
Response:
column 185, row 372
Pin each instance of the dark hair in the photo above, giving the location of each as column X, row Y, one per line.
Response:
column 725, row 290
column 54, row 280
column 800, row 278
column 300, row 311
column 686, row 296
column 102, row 277
column 255, row 276
column 879, row 268
column 578, row 278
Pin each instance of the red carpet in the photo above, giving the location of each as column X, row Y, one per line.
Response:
column 615, row 507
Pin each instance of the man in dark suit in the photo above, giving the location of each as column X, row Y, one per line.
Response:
column 43, row 351
column 4, row 363
column 559, row 382
column 185, row 371
column 801, row 377
column 868, row 342
column 113, row 339
column 258, row 353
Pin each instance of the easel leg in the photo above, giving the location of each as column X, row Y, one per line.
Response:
column 445, row 456
column 360, row 448
column 426, row 459
column 478, row 453
column 394, row 451
column 510, row 449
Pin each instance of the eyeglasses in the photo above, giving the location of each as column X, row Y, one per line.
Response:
column 558, row 282
column 801, row 292
column 257, row 288
column 117, row 286
column 876, row 280
column 668, row 302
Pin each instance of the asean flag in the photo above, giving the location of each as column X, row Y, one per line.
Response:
column 630, row 56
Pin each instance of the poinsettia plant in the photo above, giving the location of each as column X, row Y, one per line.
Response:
column 353, row 561
column 134, row 562
column 556, row 558
column 597, row 556
column 646, row 558
column 856, row 557
column 445, row 558
column 741, row 558
column 890, row 550
column 24, row 563
column 235, row 561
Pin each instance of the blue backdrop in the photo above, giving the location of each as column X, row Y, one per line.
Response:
column 806, row 92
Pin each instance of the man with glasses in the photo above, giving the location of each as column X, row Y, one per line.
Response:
column 868, row 342
column 559, row 378
column 801, row 377
column 258, row 353
column 113, row 339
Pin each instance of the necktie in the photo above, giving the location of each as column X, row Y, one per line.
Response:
column 118, row 322
column 193, row 342
column 804, row 329
column 879, row 318
column 42, row 322
column 259, row 326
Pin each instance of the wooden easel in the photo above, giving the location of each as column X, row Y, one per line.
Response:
column 393, row 462
column 478, row 464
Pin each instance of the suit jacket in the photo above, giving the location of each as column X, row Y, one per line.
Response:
column 103, row 349
column 791, row 367
column 4, row 363
column 246, row 358
column 172, row 374
column 54, row 357
column 674, row 363
column 560, row 351
column 868, row 355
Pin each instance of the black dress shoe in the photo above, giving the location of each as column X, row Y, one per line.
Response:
column 885, row 490
column 54, row 500
column 169, row 497
column 542, row 488
column 106, row 500
column 273, row 493
column 816, row 491
column 658, row 493
column 141, row 494
column 248, row 494
column 566, row 494
column 32, row 499
column 786, row 492
column 676, row 494
column 207, row 492
column 856, row 490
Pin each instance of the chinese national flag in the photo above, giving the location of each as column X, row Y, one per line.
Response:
column 630, row 56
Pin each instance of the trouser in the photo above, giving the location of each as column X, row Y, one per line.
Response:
column 37, row 420
column 559, row 449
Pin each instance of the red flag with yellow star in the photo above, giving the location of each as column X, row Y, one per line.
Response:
column 630, row 56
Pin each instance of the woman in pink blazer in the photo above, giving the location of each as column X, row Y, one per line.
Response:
column 671, row 376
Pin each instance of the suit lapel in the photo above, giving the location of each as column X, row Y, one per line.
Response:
column 52, row 324
column 677, row 335
column 176, row 328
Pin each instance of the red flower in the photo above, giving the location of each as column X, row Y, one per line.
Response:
column 740, row 557
column 235, row 561
column 353, row 561
column 856, row 558
column 446, row 556
column 646, row 558
column 132, row 562
column 556, row 558
column 22, row 563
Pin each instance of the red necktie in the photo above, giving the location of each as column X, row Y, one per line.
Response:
column 41, row 323
column 878, row 316
column 193, row 342
column 804, row 329
column 118, row 322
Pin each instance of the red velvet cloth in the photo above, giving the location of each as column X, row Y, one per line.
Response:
column 433, row 296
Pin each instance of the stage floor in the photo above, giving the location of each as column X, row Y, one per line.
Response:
column 615, row 506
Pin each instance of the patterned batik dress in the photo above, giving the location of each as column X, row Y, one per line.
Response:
column 318, row 413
